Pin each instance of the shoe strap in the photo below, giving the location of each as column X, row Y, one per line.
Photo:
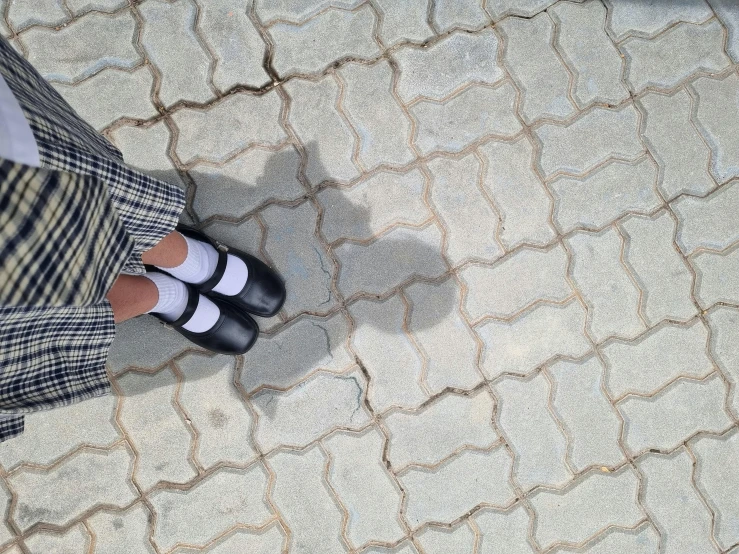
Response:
column 214, row 279
column 193, row 299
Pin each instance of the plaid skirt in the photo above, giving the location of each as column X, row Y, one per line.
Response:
column 67, row 230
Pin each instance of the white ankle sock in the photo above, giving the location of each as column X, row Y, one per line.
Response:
column 172, row 302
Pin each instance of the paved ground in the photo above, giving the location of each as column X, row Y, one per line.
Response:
column 510, row 237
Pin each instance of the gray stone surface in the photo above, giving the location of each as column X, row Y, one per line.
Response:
column 439, row 540
column 647, row 19
column 297, row 11
column 724, row 334
column 707, row 223
column 49, row 13
column 79, row 7
column 716, row 277
column 729, row 16
column 122, row 532
column 504, row 532
column 404, row 20
column 498, row 9
column 75, row 540
column 459, row 14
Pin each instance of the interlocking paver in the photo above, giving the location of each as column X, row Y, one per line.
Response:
column 79, row 7
column 715, row 476
column 84, row 47
column 297, row 11
column 228, row 497
column 75, row 540
column 729, row 16
column 532, row 432
column 459, row 14
column 382, row 126
column 724, row 324
column 676, row 145
column 517, row 192
column 262, row 542
column 589, row 52
column 364, row 486
column 648, row 19
column 716, row 277
column 404, row 21
column 469, row 219
column 592, row 425
column 579, row 511
column 246, row 236
column 89, row 478
column 49, row 13
column 145, row 148
column 504, row 532
column 476, row 112
column 443, row 427
column 643, row 540
column 122, row 532
column 498, row 9
column 439, row 540
column 302, row 49
column 674, row 415
column 533, row 64
column 435, row 72
column 405, row 548
column 6, row 533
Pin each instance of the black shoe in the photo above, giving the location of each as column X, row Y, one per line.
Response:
column 233, row 333
column 264, row 292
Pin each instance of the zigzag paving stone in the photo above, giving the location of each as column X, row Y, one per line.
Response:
column 6, row 533
column 49, row 13
column 674, row 415
column 716, row 478
column 262, row 542
column 476, row 112
column 592, row 425
column 75, row 540
column 648, row 19
column 677, row 146
column 580, row 511
column 439, row 540
column 644, row 540
column 228, row 497
column 84, row 47
column 517, row 192
column 467, row 480
column 498, row 9
column 388, row 355
column 708, row 223
column 88, row 478
column 504, row 532
column 716, row 277
column 674, row 505
column 403, row 21
column 297, row 11
column 145, row 148
column 724, row 324
column 405, row 548
column 532, row 432
column 533, row 64
column 468, row 217
column 122, row 532
column 364, row 486
column 78, row 7
column 459, row 14
column 441, row 428
column 437, row 71
column 532, row 338
column 316, row 525
column 729, row 16
column 589, row 52
column 302, row 49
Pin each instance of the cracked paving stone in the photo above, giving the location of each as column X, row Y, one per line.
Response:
column 297, row 11
column 86, row 479
column 50, row 13
column 304, row 413
column 643, row 540
column 646, row 365
column 300, row 258
column 448, row 344
column 364, row 486
column 373, row 205
column 578, row 512
column 677, row 147
column 673, row 503
column 729, row 16
column 217, row 410
column 228, row 497
column 172, row 45
column 239, row 49
column 459, row 14
column 392, row 259
column 437, row 71
column 708, row 223
column 74, row 541
column 504, row 532
column 538, row 71
column 235, row 123
column 302, row 49
column 533, row 338
column 662, row 273
column 6, row 533
column 498, row 9
column 647, row 19
column 370, row 106
column 593, row 138
column 296, row 351
column 603, row 196
column 440, row 429
column 122, row 532
column 591, row 56
column 716, row 477
column 724, row 323
column 262, row 542
column 49, row 434
column 531, row 431
column 519, row 196
column 246, row 182
column 591, row 423
column 440, row 540
column 675, row 414
column 718, row 107
column 680, row 52
column 329, row 143
column 109, row 6
column 316, row 525
column 716, row 276
column 517, row 282
column 83, row 47
column 163, row 449
column 394, row 365
column 611, row 295
column 449, row 491
column 111, row 94
column 403, row 21
column 476, row 112
column 471, row 223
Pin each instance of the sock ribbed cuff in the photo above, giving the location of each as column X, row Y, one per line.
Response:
column 172, row 296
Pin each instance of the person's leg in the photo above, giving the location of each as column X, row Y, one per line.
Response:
column 171, row 251
column 131, row 296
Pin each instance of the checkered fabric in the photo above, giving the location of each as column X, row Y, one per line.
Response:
column 67, row 230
